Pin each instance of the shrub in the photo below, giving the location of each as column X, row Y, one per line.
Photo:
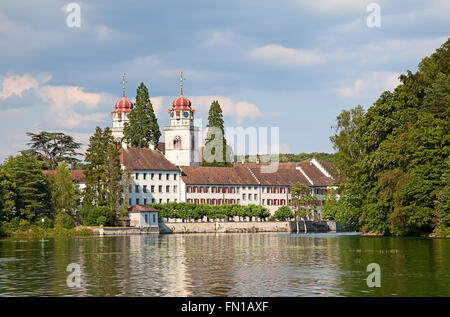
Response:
column 283, row 213
column 46, row 224
column 64, row 220
column 101, row 221
column 93, row 215
column 24, row 224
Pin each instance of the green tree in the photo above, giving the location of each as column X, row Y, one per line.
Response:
column 7, row 195
column 32, row 188
column 283, row 213
column 142, row 130
column 63, row 189
column 393, row 156
column 126, row 183
column 53, row 148
column 216, row 152
column 113, row 178
column 443, row 203
column 302, row 202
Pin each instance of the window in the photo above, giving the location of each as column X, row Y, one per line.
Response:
column 154, row 218
column 160, row 176
column 263, row 201
column 243, row 196
column 177, row 143
column 152, row 175
column 144, row 188
column 145, row 175
column 130, row 189
column 174, row 177
column 175, row 200
column 137, row 201
column 129, row 201
column 152, row 188
column 237, row 190
column 137, row 176
column 160, row 201
column 145, row 201
column 146, row 218
column 238, row 201
column 256, row 196
column 136, row 188
column 168, row 200
column 167, row 177
column 249, row 196
column 153, row 200
column 167, row 189
column 175, row 188
column 160, row 188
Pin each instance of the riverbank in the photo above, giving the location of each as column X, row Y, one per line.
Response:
column 37, row 232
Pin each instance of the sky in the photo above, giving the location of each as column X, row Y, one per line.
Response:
column 291, row 65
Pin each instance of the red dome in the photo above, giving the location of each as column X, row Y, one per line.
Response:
column 123, row 105
column 181, row 102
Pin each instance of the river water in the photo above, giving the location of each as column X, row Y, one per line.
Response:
column 225, row 265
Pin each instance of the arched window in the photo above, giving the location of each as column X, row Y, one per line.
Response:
column 177, row 143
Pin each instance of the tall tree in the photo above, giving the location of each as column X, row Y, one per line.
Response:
column 54, row 147
column 63, row 189
column 142, row 130
column 126, row 183
column 7, row 194
column 94, row 193
column 103, row 172
column 32, row 188
column 302, row 202
column 113, row 178
column 393, row 156
column 216, row 152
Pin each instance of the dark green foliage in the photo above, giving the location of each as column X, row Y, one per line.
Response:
column 142, row 128
column 443, row 203
column 64, row 220
column 391, row 159
column 32, row 189
column 7, row 194
column 303, row 202
column 53, row 148
column 283, row 213
column 198, row 211
column 101, row 221
column 103, row 172
column 90, row 215
column 46, row 224
column 216, row 152
column 63, row 189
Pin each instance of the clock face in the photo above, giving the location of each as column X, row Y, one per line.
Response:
column 186, row 114
column 171, row 114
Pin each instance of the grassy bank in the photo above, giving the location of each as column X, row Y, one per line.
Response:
column 38, row 232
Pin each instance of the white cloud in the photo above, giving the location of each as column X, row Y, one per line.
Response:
column 373, row 82
column 284, row 56
column 239, row 110
column 16, row 85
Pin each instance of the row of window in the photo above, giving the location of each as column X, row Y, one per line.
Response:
column 145, row 201
column 233, row 190
column 152, row 189
column 255, row 196
column 152, row 176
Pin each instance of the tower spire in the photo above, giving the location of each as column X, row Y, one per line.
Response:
column 181, row 82
column 123, row 84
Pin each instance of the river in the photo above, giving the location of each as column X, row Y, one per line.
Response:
column 225, row 265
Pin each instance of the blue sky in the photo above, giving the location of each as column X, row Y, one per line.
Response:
column 290, row 64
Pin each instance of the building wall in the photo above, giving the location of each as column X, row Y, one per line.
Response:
column 140, row 197
column 188, row 155
column 138, row 219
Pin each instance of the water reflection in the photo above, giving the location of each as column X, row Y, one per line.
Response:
column 225, row 265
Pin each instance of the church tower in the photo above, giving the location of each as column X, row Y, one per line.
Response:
column 120, row 114
column 181, row 137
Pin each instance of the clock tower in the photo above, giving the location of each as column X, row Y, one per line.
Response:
column 181, row 137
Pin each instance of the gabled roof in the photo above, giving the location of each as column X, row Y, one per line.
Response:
column 145, row 159
column 282, row 177
column 318, row 178
column 208, row 175
column 291, row 165
column 142, row 208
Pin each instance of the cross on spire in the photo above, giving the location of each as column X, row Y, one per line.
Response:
column 123, row 83
column 181, row 81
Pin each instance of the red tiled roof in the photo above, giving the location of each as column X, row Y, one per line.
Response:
column 283, row 176
column 329, row 167
column 217, row 175
column 77, row 175
column 291, row 165
column 145, row 159
column 162, row 147
column 141, row 208
column 318, row 178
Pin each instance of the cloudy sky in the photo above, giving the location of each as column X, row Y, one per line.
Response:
column 290, row 64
